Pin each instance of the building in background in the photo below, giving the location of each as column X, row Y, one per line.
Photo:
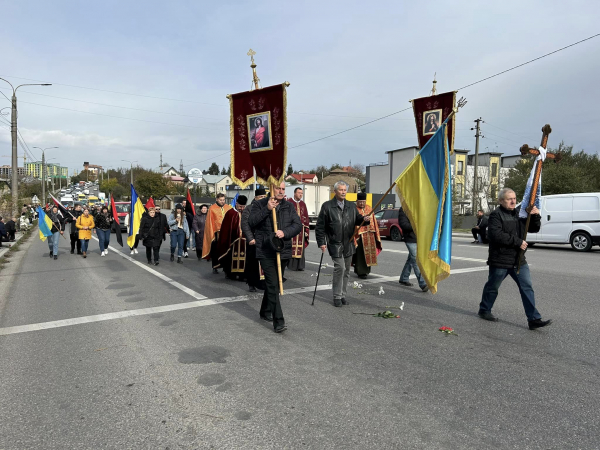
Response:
column 34, row 170
column 303, row 178
column 340, row 175
column 6, row 171
column 215, row 183
column 93, row 169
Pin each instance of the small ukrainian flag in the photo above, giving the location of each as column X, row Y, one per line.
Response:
column 44, row 224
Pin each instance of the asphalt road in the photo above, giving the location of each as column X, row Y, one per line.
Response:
column 107, row 353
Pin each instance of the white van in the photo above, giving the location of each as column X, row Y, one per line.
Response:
column 569, row 219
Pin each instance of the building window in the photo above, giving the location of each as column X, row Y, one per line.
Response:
column 494, row 169
column 459, row 189
column 459, row 170
column 494, row 193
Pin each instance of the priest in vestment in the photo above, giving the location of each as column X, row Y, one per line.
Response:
column 214, row 219
column 300, row 241
column 368, row 241
column 253, row 271
column 231, row 246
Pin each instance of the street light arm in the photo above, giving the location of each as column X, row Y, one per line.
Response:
column 29, row 84
column 13, row 88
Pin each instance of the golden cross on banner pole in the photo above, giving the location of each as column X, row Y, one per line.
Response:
column 255, row 79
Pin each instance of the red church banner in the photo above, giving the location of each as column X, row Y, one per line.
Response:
column 430, row 113
column 258, row 128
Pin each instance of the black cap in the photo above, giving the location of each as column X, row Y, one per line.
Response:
column 260, row 191
column 361, row 196
column 242, row 200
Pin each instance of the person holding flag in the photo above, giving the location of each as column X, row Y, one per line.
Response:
column 73, row 231
column 190, row 212
column 56, row 230
column 135, row 217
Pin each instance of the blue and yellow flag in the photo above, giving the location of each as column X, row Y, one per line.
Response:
column 425, row 190
column 135, row 217
column 44, row 224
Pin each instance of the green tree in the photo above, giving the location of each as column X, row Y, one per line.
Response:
column 576, row 172
column 151, row 184
column 223, row 171
column 213, row 169
column 113, row 187
column 290, row 169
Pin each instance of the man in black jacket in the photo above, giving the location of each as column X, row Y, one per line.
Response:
column 505, row 231
column 334, row 231
column 74, row 232
column 480, row 230
column 252, row 268
column 11, row 228
column 58, row 226
column 3, row 233
column 288, row 226
column 410, row 239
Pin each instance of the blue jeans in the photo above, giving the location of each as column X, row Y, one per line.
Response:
column 103, row 238
column 53, row 243
column 84, row 244
column 523, row 280
column 411, row 263
column 177, row 239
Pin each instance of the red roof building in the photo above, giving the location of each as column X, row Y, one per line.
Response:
column 303, row 178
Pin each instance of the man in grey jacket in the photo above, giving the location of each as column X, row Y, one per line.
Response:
column 334, row 231
column 252, row 267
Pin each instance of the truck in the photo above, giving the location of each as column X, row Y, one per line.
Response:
column 314, row 196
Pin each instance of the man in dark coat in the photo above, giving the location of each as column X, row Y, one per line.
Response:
column 335, row 231
column 252, row 270
column 3, row 232
column 198, row 229
column 505, row 231
column 73, row 231
column 151, row 234
column 480, row 230
column 268, row 244
column 410, row 239
column 11, row 228
column 164, row 225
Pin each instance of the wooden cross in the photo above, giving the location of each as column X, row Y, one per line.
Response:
column 526, row 150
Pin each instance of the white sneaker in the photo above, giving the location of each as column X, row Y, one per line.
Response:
column 102, row 254
column 132, row 252
column 106, row 251
column 135, row 250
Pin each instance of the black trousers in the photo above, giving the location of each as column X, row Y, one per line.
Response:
column 75, row 242
column 479, row 231
column 270, row 303
column 11, row 235
column 149, row 251
column 137, row 241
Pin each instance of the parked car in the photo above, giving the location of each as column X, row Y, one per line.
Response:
column 569, row 219
column 123, row 209
column 387, row 219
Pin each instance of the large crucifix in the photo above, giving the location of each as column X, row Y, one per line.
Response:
column 526, row 150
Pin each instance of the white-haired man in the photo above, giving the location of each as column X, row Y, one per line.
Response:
column 334, row 232
column 505, row 233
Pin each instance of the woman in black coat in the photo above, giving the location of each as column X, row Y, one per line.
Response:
column 198, row 229
column 151, row 234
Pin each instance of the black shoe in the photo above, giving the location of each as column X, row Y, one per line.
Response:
column 488, row 316
column 425, row 288
column 345, row 302
column 252, row 289
column 149, row 261
column 179, row 261
column 405, row 283
column 267, row 318
column 51, row 255
column 72, row 251
column 156, row 263
column 538, row 323
column 172, row 257
column 56, row 257
column 280, row 329
column 215, row 271
column 362, row 277
column 80, row 253
column 337, row 302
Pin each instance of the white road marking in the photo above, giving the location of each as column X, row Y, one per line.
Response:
column 483, row 247
column 460, row 258
column 188, row 305
column 157, row 274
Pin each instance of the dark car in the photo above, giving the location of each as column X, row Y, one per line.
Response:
column 387, row 219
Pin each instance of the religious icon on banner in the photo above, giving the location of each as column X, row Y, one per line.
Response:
column 430, row 112
column 431, row 121
column 260, row 132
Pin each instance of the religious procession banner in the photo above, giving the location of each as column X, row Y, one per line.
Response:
column 430, row 113
column 258, row 135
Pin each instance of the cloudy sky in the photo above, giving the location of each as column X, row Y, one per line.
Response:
column 134, row 79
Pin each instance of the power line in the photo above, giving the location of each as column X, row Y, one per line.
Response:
column 464, row 87
column 530, row 61
column 502, row 129
column 214, row 157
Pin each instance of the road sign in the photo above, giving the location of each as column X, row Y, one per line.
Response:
column 195, row 175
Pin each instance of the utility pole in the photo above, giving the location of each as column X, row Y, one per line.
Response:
column 43, row 180
column 131, row 170
column 475, row 178
column 13, row 134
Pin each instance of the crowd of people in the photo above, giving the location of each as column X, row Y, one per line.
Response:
column 257, row 242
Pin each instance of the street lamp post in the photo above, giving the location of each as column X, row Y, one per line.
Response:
column 131, row 170
column 13, row 133
column 44, row 172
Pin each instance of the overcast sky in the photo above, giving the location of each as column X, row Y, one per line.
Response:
column 348, row 62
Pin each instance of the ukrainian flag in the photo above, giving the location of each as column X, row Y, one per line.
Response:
column 44, row 224
column 135, row 217
column 425, row 190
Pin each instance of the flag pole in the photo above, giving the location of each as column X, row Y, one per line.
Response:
column 373, row 210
